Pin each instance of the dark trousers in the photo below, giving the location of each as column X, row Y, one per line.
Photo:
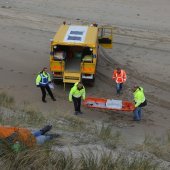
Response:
column 43, row 90
column 119, row 87
column 77, row 103
column 137, row 113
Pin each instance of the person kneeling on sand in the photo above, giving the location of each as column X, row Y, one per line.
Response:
column 20, row 138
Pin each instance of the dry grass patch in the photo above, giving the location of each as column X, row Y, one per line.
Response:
column 105, row 133
column 32, row 116
column 26, row 117
column 107, row 161
column 160, row 147
column 40, row 158
column 6, row 101
column 67, row 122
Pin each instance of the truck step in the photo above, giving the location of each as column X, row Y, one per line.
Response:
column 71, row 77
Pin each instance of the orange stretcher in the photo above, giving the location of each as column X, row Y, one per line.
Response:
column 109, row 104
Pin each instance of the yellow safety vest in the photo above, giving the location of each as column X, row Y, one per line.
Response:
column 77, row 93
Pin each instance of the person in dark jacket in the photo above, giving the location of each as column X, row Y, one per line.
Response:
column 43, row 80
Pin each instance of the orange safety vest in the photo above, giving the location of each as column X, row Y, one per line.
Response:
column 119, row 78
column 23, row 135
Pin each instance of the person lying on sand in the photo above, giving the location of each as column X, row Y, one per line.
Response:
column 19, row 138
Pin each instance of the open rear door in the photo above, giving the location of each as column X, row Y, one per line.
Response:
column 105, row 36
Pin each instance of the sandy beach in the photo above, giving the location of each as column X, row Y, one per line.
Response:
column 141, row 46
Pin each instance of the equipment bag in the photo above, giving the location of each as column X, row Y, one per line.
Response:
column 143, row 104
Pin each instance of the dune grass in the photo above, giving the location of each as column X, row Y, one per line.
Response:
column 160, row 147
column 106, row 161
column 40, row 158
column 6, row 101
column 43, row 157
column 105, row 133
column 26, row 118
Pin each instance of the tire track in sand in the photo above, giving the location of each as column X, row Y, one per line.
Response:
column 107, row 61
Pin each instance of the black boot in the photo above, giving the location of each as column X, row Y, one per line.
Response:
column 45, row 129
column 53, row 99
column 52, row 136
column 44, row 101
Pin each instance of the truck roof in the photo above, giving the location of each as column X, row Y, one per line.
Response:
column 76, row 35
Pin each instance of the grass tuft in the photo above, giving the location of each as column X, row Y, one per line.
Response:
column 89, row 161
column 6, row 101
column 160, row 147
column 32, row 116
column 105, row 132
column 42, row 157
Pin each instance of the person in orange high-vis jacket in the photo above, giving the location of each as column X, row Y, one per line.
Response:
column 119, row 76
column 24, row 136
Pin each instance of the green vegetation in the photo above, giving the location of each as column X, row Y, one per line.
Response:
column 106, row 161
column 6, row 101
column 75, row 132
column 105, row 132
column 160, row 147
column 43, row 158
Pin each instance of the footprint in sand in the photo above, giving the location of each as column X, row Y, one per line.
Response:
column 20, row 72
column 7, row 7
column 10, row 87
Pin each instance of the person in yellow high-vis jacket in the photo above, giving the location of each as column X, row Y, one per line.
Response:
column 140, row 101
column 76, row 93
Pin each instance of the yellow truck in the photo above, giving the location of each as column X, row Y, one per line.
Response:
column 75, row 51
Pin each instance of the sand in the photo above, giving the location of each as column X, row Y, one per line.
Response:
column 141, row 46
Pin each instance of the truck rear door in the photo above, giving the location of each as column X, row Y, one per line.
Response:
column 105, row 36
